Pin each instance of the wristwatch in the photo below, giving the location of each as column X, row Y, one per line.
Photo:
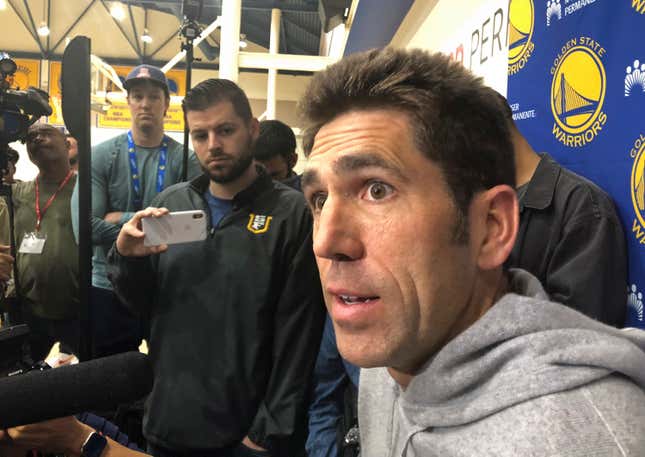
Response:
column 94, row 445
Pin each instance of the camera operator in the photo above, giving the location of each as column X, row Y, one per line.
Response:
column 47, row 256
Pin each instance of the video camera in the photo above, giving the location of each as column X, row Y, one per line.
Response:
column 18, row 108
column 14, row 353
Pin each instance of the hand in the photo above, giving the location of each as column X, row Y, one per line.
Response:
column 129, row 243
column 63, row 435
column 251, row 445
column 8, row 449
column 6, row 263
column 114, row 217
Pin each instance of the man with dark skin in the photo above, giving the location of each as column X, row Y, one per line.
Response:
column 275, row 149
column 43, row 234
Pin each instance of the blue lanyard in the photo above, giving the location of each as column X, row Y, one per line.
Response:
column 134, row 169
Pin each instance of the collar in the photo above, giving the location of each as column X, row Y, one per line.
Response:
column 261, row 184
column 541, row 187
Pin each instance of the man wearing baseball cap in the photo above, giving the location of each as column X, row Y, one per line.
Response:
column 127, row 172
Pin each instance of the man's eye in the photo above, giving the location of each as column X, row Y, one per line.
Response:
column 318, row 201
column 378, row 190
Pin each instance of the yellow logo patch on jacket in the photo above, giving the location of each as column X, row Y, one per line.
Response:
column 258, row 223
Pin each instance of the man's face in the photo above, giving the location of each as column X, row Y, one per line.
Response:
column 46, row 143
column 277, row 167
column 395, row 280
column 223, row 141
column 148, row 105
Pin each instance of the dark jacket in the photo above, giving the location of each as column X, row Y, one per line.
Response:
column 236, row 321
column 570, row 237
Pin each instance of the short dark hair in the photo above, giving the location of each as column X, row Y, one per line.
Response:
column 276, row 138
column 506, row 109
column 12, row 155
column 212, row 91
column 456, row 120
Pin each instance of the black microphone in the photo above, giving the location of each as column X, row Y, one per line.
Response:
column 99, row 384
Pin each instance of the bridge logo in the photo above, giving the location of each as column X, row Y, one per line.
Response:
column 639, row 6
column 578, row 92
column 521, row 25
column 637, row 187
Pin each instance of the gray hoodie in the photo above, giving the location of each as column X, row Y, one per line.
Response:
column 530, row 378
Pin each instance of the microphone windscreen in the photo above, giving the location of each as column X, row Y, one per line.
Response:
column 99, row 384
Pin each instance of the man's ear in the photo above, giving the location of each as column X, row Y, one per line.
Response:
column 500, row 212
column 254, row 128
column 165, row 111
column 293, row 160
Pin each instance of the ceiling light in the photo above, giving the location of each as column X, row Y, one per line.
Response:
column 146, row 38
column 3, row 4
column 117, row 11
column 43, row 30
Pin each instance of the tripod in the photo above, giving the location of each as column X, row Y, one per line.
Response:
column 189, row 31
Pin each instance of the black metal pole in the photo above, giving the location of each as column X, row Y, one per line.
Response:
column 76, row 79
column 188, row 47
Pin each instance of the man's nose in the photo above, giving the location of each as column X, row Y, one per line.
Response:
column 214, row 143
column 337, row 232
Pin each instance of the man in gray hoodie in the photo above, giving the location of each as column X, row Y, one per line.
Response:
column 411, row 179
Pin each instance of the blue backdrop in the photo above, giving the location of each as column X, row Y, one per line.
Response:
column 577, row 89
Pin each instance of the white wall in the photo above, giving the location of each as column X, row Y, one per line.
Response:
column 472, row 31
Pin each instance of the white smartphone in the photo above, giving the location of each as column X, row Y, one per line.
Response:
column 175, row 227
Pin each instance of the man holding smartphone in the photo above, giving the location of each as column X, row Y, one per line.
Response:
column 236, row 319
column 127, row 172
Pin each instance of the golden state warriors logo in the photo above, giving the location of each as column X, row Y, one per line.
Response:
column 578, row 92
column 639, row 6
column 258, row 223
column 521, row 23
column 637, row 184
